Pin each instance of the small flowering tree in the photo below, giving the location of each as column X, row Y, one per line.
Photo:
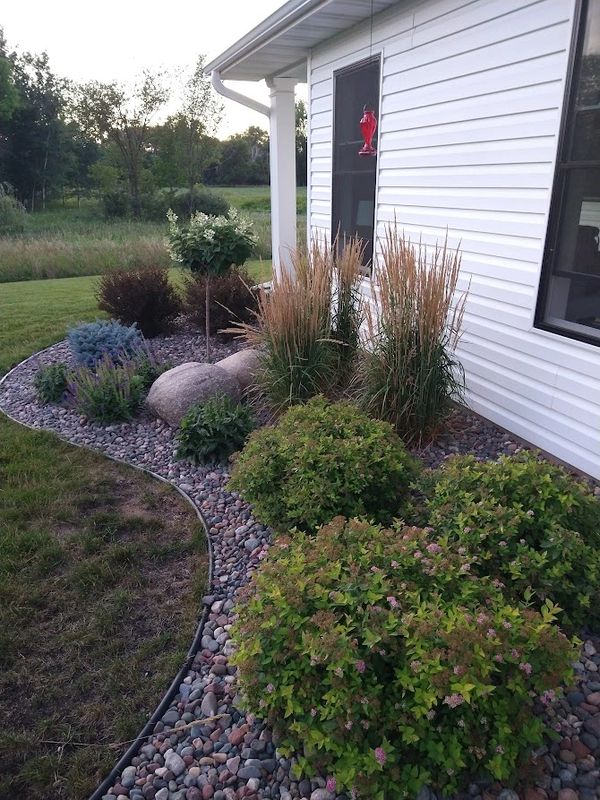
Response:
column 210, row 246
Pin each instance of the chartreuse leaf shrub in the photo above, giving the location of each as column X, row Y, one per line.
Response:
column 92, row 342
column 532, row 527
column 51, row 382
column 213, row 430
column 323, row 459
column 383, row 658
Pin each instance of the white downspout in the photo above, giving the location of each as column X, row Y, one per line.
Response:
column 282, row 130
column 220, row 87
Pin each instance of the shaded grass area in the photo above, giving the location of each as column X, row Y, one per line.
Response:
column 35, row 314
column 101, row 572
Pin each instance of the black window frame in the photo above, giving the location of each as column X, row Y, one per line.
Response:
column 562, row 169
column 374, row 58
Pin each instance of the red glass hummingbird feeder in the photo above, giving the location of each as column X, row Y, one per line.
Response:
column 368, row 126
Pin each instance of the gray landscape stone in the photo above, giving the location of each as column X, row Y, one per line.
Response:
column 174, row 392
column 242, row 365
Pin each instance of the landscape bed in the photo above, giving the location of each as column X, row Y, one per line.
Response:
column 234, row 756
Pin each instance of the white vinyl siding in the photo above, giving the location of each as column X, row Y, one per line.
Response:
column 472, row 96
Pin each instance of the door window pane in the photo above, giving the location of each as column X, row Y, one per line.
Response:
column 354, row 176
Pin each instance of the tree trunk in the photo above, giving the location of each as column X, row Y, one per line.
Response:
column 207, row 315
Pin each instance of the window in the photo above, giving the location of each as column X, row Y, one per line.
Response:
column 569, row 300
column 354, row 176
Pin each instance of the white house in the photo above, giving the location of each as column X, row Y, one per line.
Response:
column 489, row 125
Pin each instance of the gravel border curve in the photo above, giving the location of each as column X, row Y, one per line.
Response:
column 234, row 757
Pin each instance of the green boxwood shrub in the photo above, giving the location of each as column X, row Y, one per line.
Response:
column 51, row 382
column 531, row 526
column 213, row 430
column 320, row 460
column 383, row 658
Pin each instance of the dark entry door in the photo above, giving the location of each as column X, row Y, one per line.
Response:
column 354, row 176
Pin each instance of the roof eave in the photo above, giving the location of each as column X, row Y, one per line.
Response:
column 288, row 15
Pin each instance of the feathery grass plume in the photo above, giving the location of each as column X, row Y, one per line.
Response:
column 303, row 322
column 408, row 373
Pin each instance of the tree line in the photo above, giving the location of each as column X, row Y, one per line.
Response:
column 60, row 138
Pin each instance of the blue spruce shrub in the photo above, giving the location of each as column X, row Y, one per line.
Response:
column 91, row 342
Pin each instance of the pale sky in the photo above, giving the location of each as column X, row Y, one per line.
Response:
column 116, row 39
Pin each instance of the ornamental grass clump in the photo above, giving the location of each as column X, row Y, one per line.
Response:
column 322, row 459
column 533, row 528
column 307, row 325
column 210, row 246
column 381, row 657
column 409, row 374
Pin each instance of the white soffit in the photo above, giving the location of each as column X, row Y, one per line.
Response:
column 280, row 44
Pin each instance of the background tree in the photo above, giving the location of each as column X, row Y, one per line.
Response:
column 108, row 112
column 245, row 158
column 9, row 96
column 198, row 119
column 301, row 147
column 36, row 137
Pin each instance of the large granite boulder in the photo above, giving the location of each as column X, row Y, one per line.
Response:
column 242, row 365
column 177, row 389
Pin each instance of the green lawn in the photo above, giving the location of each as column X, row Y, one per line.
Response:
column 88, row 552
column 35, row 314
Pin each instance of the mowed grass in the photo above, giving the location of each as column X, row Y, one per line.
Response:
column 70, row 242
column 35, row 314
column 101, row 573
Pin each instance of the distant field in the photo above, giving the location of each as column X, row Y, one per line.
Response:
column 70, row 242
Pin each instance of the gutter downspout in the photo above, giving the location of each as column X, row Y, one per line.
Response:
column 220, row 87
column 282, row 162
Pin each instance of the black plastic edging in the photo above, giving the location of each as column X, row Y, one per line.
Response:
column 167, row 698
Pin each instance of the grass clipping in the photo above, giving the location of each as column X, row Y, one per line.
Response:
column 408, row 373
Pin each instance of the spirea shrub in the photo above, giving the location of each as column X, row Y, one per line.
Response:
column 109, row 393
column 379, row 655
column 213, row 430
column 532, row 527
column 323, row 459
column 141, row 296
column 51, row 382
column 92, row 342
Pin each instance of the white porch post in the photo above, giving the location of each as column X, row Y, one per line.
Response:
column 282, row 153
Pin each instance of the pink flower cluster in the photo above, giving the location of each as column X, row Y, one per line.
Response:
column 526, row 667
column 380, row 755
column 392, row 601
column 360, row 666
column 454, row 700
column 434, row 547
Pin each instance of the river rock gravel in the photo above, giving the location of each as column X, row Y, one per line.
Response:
column 233, row 756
